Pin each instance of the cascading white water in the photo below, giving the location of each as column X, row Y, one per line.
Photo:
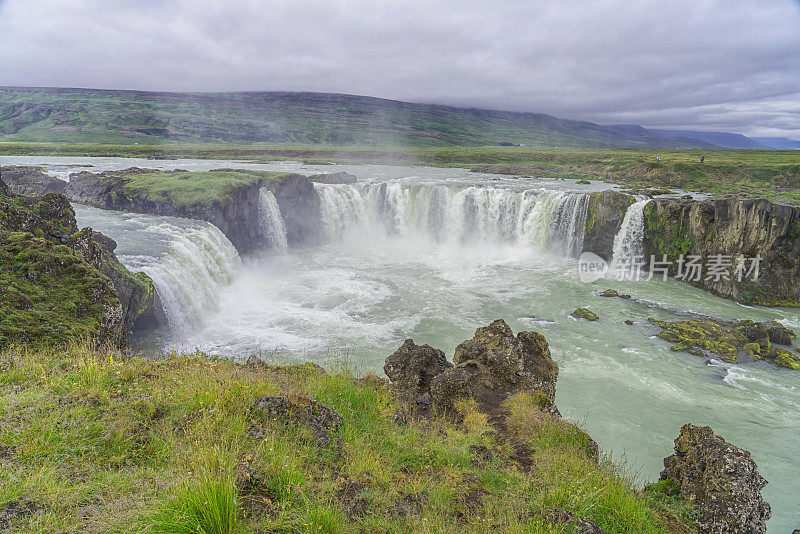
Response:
column 188, row 278
column 568, row 225
column 629, row 241
column 539, row 219
column 272, row 226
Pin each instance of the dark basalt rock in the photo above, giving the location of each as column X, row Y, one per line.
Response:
column 778, row 333
column 299, row 204
column 136, row 292
column 731, row 227
column 490, row 367
column 321, row 420
column 584, row 313
column 494, row 365
column 741, row 342
column 411, row 369
column 238, row 218
column 605, row 212
column 614, row 293
column 30, row 181
column 84, row 261
column 720, row 481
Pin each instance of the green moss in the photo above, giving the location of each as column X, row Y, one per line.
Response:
column 794, row 230
column 187, row 190
column 725, row 340
column 751, row 293
column 584, row 313
column 786, row 359
column 754, row 349
column 49, row 295
column 591, row 217
column 670, row 239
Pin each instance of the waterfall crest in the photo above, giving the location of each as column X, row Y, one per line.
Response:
column 188, row 279
column 272, row 226
column 544, row 220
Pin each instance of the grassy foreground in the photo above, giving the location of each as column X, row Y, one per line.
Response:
column 758, row 173
column 95, row 441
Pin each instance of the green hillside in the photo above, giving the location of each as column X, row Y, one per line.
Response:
column 127, row 117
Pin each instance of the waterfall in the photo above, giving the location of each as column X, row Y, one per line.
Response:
column 568, row 225
column 629, row 241
column 544, row 220
column 341, row 207
column 189, row 277
column 272, row 227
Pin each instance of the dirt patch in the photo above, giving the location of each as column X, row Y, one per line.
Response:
column 16, row 510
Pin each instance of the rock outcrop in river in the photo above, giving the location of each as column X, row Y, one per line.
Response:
column 739, row 342
column 334, row 178
column 604, row 216
column 299, row 204
column 720, row 481
column 227, row 198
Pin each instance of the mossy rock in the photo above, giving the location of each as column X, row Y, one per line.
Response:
column 584, row 313
column 754, row 349
column 727, row 341
column 51, row 295
column 786, row 359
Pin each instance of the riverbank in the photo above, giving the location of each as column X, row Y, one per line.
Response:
column 770, row 174
column 101, row 442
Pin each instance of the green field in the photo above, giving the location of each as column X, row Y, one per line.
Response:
column 756, row 173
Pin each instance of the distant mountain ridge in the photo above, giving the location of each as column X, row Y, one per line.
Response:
column 112, row 116
column 778, row 143
column 720, row 139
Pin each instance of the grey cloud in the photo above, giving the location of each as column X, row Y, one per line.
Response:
column 706, row 64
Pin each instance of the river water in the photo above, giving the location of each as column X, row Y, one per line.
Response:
column 432, row 254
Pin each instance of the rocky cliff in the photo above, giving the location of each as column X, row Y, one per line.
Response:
column 227, row 198
column 59, row 283
column 299, row 203
column 731, row 227
column 237, row 216
column 604, row 216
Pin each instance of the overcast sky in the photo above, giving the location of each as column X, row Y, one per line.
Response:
column 701, row 64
